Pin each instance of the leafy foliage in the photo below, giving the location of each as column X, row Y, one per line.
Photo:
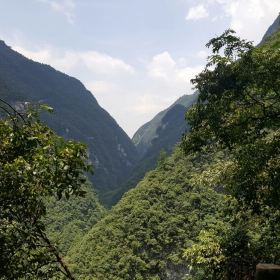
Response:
column 34, row 164
column 77, row 115
column 145, row 234
column 238, row 115
column 68, row 220
column 211, row 213
column 239, row 109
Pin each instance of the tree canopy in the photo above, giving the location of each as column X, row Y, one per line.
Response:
column 238, row 115
column 239, row 110
column 35, row 164
column 210, row 213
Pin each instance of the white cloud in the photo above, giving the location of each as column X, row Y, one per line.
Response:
column 161, row 66
column 203, row 54
column 92, row 61
column 132, row 96
column 65, row 7
column 102, row 87
column 249, row 18
column 104, row 63
column 147, row 104
column 172, row 73
column 41, row 55
column 197, row 12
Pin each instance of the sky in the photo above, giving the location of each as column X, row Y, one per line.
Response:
column 135, row 56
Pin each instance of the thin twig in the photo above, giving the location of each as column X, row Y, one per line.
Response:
column 14, row 110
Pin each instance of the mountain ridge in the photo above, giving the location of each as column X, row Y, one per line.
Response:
column 144, row 136
column 274, row 27
column 162, row 133
column 77, row 114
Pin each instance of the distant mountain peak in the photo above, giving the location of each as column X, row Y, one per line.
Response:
column 163, row 132
column 148, row 132
column 3, row 44
column 274, row 27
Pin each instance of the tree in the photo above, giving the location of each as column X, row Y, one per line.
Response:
column 238, row 116
column 35, row 164
column 238, row 111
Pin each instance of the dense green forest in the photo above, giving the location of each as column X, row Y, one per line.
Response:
column 209, row 211
column 35, row 165
column 160, row 134
column 68, row 220
column 145, row 235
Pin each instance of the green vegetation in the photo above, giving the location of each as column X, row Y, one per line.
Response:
column 239, row 110
column 209, row 211
column 145, row 234
column 145, row 136
column 213, row 213
column 238, row 113
column 271, row 30
column 77, row 115
column 35, row 164
column 68, row 220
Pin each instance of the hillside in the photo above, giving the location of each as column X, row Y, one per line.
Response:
column 274, row 27
column 162, row 133
column 169, row 122
column 68, row 220
column 145, row 234
column 212, row 211
column 77, row 115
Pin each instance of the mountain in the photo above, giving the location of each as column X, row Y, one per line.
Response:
column 169, row 123
column 69, row 220
column 275, row 26
column 177, row 223
column 77, row 115
column 144, row 236
column 162, row 133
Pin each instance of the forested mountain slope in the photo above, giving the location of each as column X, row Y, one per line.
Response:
column 69, row 220
column 169, row 123
column 162, row 133
column 145, row 234
column 213, row 211
column 275, row 26
column 77, row 114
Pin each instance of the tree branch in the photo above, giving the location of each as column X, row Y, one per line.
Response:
column 59, row 259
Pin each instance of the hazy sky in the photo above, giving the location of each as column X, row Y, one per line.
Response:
column 136, row 56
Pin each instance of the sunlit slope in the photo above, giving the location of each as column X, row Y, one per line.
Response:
column 145, row 137
column 145, row 234
column 162, row 133
column 274, row 28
